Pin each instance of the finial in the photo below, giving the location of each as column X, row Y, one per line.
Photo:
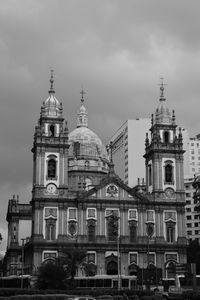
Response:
column 51, row 82
column 162, row 88
column 111, row 171
column 82, row 95
column 111, row 151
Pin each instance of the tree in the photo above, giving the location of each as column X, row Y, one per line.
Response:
column 51, row 276
column 71, row 259
column 90, row 269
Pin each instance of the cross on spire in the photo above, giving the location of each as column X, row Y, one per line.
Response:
column 82, row 95
column 162, row 87
column 51, row 81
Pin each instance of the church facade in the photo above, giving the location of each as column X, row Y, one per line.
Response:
column 77, row 199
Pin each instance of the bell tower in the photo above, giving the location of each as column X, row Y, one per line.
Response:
column 164, row 155
column 50, row 150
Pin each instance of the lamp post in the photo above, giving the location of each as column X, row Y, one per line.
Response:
column 22, row 263
column 149, row 230
column 119, row 262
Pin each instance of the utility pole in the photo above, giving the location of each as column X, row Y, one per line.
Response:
column 22, row 262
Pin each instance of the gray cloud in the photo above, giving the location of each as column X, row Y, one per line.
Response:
column 116, row 49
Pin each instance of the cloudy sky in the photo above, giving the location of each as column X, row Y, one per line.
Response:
column 116, row 50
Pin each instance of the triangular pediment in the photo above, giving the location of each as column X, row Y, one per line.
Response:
column 112, row 188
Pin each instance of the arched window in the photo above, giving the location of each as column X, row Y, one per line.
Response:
column 52, row 130
column 168, row 173
column 51, row 168
column 166, row 137
column 171, row 270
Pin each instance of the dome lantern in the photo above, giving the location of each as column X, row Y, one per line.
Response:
column 162, row 114
column 82, row 116
column 51, row 107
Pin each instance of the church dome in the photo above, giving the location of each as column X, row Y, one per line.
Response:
column 86, row 150
column 84, row 142
column 162, row 114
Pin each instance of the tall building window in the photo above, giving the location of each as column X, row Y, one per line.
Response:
column 51, row 168
column 168, row 173
column 91, row 230
column 72, row 221
column 50, row 229
column 50, row 223
column 166, row 137
column 112, row 222
column 170, row 232
column 133, row 231
column 170, row 226
column 52, row 130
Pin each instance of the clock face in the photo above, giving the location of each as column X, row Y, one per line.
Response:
column 51, row 188
column 169, row 192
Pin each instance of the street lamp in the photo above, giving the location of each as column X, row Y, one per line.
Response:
column 150, row 231
column 22, row 263
column 118, row 258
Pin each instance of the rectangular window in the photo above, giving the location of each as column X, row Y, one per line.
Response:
column 196, row 232
column 72, row 213
column 152, row 258
column 151, row 216
column 188, row 209
column 196, row 224
column 189, row 232
column 133, row 257
column 189, row 217
column 188, row 194
column 49, row 255
column 132, row 214
column 91, row 257
column 189, row 225
column 91, row 213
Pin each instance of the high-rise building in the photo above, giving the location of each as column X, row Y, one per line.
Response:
column 191, row 215
column 78, row 199
column 129, row 148
column 193, row 149
column 192, row 167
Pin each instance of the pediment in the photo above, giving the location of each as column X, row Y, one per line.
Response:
column 112, row 190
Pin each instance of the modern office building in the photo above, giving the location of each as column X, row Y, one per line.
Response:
column 192, row 165
column 191, row 215
column 194, row 155
column 128, row 150
column 78, row 199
